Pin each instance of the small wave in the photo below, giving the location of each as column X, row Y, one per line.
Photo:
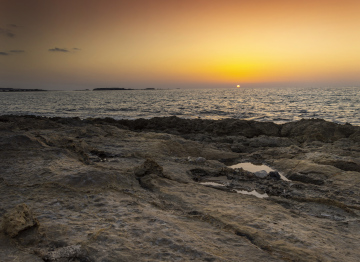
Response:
column 278, row 105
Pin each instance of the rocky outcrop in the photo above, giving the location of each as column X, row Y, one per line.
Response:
column 317, row 130
column 69, row 253
column 147, row 168
column 303, row 130
column 18, row 219
column 161, row 190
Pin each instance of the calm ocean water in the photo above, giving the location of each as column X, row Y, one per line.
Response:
column 279, row 105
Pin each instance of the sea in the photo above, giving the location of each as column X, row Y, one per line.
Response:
column 279, row 105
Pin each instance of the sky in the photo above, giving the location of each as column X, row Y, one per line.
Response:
column 85, row 44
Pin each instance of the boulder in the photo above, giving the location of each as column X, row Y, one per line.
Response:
column 316, row 130
column 274, row 175
column 147, row 168
column 18, row 219
column 261, row 174
column 69, row 253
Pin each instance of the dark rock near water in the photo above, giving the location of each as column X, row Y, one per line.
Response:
column 261, row 174
column 303, row 130
column 305, row 178
column 198, row 173
column 317, row 130
column 343, row 165
column 274, row 175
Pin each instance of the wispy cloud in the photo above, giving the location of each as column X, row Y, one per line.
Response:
column 8, row 32
column 56, row 49
column 3, row 32
column 13, row 25
column 3, row 53
column 64, row 50
column 17, row 51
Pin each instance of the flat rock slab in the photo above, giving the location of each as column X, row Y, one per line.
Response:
column 106, row 190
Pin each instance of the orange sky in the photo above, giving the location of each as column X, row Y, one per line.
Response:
column 80, row 44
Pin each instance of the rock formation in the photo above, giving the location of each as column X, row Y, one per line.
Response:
column 161, row 190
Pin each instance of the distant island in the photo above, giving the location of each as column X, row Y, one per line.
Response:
column 119, row 88
column 19, row 90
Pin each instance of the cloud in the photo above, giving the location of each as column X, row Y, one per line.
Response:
column 56, row 49
column 10, row 34
column 17, row 51
column 13, row 25
column 64, row 50
column 7, row 32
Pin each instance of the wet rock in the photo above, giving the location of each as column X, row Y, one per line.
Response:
column 196, row 160
column 343, row 165
column 305, row 178
column 316, row 130
column 238, row 174
column 101, row 154
column 274, row 175
column 306, row 167
column 261, row 174
column 198, row 174
column 270, row 141
column 18, row 219
column 267, row 128
column 193, row 126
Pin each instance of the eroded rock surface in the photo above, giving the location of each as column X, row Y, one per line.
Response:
column 17, row 220
column 160, row 190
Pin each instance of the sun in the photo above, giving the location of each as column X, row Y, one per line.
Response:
column 238, row 86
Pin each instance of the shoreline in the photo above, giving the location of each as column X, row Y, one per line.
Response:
column 161, row 189
column 304, row 129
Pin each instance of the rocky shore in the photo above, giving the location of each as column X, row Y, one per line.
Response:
column 162, row 189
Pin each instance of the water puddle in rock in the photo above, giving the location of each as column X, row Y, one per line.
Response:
column 254, row 193
column 223, row 181
column 244, row 192
column 211, row 184
column 257, row 168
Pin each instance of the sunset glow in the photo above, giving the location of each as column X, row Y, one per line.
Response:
column 86, row 44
